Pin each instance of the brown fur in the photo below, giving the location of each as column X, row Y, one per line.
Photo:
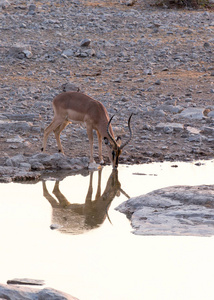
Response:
column 77, row 107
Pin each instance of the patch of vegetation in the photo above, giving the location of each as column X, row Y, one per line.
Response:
column 185, row 3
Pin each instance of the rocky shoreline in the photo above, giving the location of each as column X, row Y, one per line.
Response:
column 23, row 168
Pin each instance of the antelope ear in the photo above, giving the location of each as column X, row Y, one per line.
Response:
column 118, row 140
column 106, row 141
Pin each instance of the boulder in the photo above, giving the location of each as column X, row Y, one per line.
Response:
column 25, row 293
column 176, row 210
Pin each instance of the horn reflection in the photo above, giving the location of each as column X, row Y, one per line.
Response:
column 77, row 218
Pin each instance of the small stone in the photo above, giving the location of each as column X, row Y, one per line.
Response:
column 206, row 45
column 85, row 43
column 130, row 2
column 16, row 139
column 124, row 99
column 158, row 82
column 170, row 127
column 4, row 4
column 69, row 86
column 68, row 53
column 147, row 72
column 211, row 114
column 208, row 130
column 188, row 31
column 167, row 129
column 37, row 166
column 23, row 25
column 195, row 138
column 55, row 226
column 32, row 9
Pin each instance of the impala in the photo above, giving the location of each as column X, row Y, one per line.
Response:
column 79, row 108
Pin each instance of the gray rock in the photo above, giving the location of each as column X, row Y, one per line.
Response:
column 26, row 281
column 9, row 173
column 18, row 166
column 20, row 51
column 158, row 82
column 192, row 130
column 22, row 117
column 31, row 9
column 148, row 72
column 68, row 53
column 85, row 53
column 211, row 114
column 3, row 117
column 26, row 293
column 15, row 161
column 195, row 138
column 57, row 161
column 208, row 130
column 27, row 53
column 15, row 126
column 25, row 166
column 192, row 113
column 85, row 43
column 169, row 127
column 36, row 165
column 130, row 2
column 158, row 112
column 177, row 210
column 16, row 139
column 69, row 86
column 6, row 174
column 174, row 109
column 4, row 4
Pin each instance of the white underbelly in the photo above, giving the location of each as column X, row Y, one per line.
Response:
column 75, row 117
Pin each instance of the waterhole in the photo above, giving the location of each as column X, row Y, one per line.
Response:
column 53, row 231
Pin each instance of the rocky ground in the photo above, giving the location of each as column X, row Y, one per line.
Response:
column 157, row 63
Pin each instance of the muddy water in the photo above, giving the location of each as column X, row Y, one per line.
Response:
column 101, row 259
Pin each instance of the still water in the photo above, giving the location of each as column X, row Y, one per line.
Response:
column 103, row 260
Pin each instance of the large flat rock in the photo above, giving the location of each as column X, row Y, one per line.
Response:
column 25, row 293
column 176, row 210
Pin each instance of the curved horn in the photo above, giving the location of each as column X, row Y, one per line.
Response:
column 130, row 131
column 109, row 134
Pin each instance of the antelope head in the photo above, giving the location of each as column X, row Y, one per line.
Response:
column 115, row 145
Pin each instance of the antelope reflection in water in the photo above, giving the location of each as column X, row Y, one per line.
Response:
column 77, row 218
